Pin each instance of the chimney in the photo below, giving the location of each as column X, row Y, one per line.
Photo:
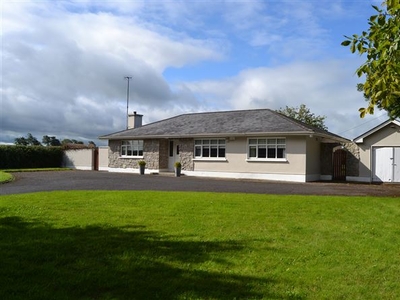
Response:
column 134, row 120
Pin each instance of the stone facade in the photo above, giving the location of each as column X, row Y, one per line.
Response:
column 155, row 154
column 352, row 158
column 186, row 148
column 151, row 154
column 151, row 150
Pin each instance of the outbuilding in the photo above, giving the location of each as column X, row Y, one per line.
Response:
column 379, row 150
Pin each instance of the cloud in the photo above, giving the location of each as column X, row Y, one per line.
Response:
column 64, row 66
column 326, row 87
column 64, row 62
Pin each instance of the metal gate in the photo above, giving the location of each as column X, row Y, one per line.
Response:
column 339, row 165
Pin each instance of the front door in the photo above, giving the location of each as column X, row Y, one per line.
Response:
column 173, row 154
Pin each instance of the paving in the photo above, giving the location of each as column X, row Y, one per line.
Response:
column 27, row 182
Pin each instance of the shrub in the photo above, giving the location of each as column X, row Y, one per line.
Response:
column 20, row 157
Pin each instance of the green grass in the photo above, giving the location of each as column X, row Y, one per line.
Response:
column 5, row 177
column 177, row 245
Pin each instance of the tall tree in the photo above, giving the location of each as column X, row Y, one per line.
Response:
column 51, row 141
column 304, row 114
column 381, row 44
column 21, row 141
column 30, row 140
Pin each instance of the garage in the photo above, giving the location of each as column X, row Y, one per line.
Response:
column 379, row 153
column 386, row 164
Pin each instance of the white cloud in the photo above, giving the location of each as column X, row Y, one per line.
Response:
column 63, row 69
column 327, row 88
column 63, row 63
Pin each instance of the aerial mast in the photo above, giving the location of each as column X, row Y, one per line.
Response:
column 127, row 99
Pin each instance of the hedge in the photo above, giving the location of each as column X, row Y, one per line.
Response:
column 21, row 157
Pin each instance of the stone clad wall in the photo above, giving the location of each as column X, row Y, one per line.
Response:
column 163, row 154
column 186, row 149
column 150, row 155
column 352, row 158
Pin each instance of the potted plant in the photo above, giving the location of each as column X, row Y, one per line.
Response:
column 178, row 167
column 142, row 165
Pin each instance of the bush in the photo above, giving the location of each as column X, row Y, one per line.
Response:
column 21, row 157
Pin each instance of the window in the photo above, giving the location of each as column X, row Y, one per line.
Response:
column 132, row 148
column 209, row 148
column 267, row 148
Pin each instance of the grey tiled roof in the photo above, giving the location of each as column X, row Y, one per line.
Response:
column 222, row 123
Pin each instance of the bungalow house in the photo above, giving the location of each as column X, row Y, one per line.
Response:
column 258, row 144
column 379, row 153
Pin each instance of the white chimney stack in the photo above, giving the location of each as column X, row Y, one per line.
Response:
column 134, row 120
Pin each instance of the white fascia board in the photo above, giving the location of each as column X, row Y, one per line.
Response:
column 360, row 139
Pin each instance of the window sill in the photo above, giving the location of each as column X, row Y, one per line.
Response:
column 280, row 160
column 135, row 157
column 211, row 159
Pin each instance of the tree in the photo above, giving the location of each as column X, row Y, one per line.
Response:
column 50, row 141
column 381, row 44
column 303, row 114
column 30, row 140
column 69, row 141
column 66, row 141
column 21, row 141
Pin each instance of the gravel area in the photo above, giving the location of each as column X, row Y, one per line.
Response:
column 26, row 182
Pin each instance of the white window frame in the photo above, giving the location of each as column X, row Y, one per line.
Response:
column 258, row 146
column 132, row 149
column 208, row 145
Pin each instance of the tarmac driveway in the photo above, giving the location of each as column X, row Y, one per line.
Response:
column 27, row 182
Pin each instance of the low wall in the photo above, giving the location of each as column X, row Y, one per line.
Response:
column 80, row 159
column 103, row 158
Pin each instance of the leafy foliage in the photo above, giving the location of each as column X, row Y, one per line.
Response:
column 381, row 44
column 51, row 141
column 69, row 141
column 12, row 157
column 304, row 114
column 30, row 140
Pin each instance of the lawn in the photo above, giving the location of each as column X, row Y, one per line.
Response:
column 5, row 177
column 180, row 245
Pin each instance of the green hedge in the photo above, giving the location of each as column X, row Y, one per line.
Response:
column 21, row 157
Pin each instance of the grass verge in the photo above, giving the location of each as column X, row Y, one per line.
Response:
column 180, row 245
column 5, row 177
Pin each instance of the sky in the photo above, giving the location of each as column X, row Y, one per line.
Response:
column 64, row 63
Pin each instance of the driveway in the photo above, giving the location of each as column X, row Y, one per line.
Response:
column 27, row 182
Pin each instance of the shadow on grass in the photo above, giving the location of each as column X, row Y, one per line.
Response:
column 43, row 262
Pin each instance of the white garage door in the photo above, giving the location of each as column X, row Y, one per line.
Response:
column 386, row 164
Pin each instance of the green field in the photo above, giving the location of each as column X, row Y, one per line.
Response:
column 183, row 245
